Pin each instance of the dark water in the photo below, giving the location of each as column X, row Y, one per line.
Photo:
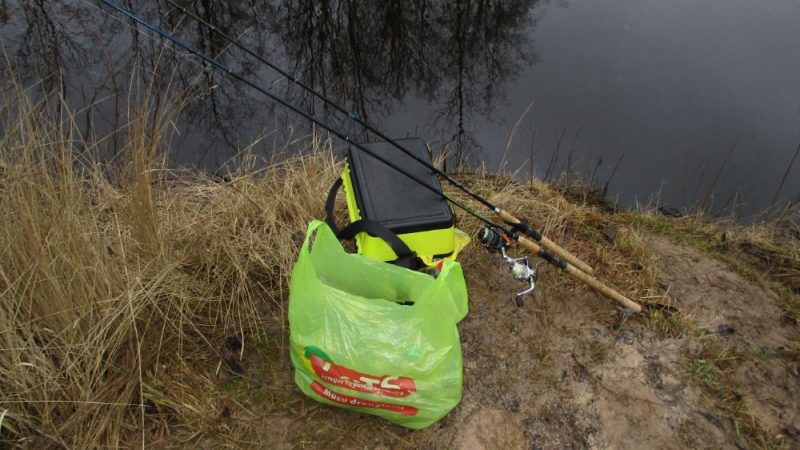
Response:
column 689, row 101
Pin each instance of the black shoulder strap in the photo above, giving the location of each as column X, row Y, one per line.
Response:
column 329, row 203
column 376, row 229
column 405, row 256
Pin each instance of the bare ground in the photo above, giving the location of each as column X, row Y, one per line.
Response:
column 709, row 366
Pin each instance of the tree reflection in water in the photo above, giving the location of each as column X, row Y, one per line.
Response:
column 455, row 54
column 368, row 56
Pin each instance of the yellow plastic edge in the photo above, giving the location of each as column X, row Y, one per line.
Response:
column 349, row 194
column 445, row 241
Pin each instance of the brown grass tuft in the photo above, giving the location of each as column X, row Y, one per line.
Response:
column 113, row 279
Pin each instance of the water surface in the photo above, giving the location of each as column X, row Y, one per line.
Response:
column 689, row 101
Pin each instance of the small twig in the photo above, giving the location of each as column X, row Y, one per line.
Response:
column 710, row 194
column 785, row 175
column 514, row 132
column 594, row 171
column 554, row 158
column 532, row 152
column 611, row 177
column 2, row 419
column 571, row 151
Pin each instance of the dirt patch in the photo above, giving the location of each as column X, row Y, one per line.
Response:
column 568, row 370
column 715, row 297
column 756, row 333
column 771, row 391
column 490, row 428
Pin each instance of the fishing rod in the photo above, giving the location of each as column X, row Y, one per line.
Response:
column 507, row 217
column 538, row 250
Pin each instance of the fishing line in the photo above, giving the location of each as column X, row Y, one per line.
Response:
column 218, row 65
column 554, row 258
column 350, row 114
column 515, row 223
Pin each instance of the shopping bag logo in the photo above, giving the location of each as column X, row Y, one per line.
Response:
column 348, row 400
column 337, row 375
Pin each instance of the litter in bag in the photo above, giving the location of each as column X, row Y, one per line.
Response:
column 373, row 337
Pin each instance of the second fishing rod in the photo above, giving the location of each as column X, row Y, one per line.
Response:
column 505, row 216
column 511, row 234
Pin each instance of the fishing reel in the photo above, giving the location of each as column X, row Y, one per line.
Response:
column 520, row 268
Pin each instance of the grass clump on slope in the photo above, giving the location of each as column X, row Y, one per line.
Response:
column 120, row 282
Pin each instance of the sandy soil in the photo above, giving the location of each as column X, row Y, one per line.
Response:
column 569, row 370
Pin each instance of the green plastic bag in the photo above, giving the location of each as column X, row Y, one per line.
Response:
column 373, row 337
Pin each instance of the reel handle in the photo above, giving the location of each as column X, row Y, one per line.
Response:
column 548, row 244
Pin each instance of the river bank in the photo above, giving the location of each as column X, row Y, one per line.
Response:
column 146, row 305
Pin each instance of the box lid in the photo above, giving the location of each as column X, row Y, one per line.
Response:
column 391, row 198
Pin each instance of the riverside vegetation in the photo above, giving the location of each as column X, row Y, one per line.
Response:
column 142, row 304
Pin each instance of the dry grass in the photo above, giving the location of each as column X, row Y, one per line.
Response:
column 126, row 289
column 124, row 286
column 622, row 262
column 120, row 284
